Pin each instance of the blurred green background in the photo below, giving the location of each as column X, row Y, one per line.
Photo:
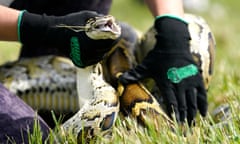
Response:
column 221, row 15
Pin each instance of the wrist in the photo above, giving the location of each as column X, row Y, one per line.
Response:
column 19, row 24
column 31, row 27
column 35, row 29
column 171, row 16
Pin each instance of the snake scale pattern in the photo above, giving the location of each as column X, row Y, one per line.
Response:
column 94, row 94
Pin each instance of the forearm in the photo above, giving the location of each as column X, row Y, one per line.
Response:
column 161, row 7
column 8, row 24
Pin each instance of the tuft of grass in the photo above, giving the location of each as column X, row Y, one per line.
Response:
column 36, row 135
column 126, row 130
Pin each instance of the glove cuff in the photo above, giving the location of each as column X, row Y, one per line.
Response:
column 171, row 16
column 19, row 24
column 31, row 28
column 172, row 34
column 36, row 29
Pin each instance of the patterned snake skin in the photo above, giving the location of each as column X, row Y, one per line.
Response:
column 53, row 83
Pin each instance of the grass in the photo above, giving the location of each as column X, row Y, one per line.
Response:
column 222, row 16
column 9, row 51
column 127, row 131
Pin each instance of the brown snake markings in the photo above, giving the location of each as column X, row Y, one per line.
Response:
column 50, row 82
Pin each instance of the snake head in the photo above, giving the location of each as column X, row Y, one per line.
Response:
column 103, row 27
column 96, row 26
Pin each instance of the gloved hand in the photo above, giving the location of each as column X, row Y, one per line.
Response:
column 171, row 65
column 46, row 30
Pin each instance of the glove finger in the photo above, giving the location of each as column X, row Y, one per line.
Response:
column 127, row 78
column 93, row 61
column 102, row 51
column 170, row 101
column 134, row 75
column 202, row 100
column 182, row 103
column 191, row 97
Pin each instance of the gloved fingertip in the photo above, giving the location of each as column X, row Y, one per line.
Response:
column 173, row 113
column 19, row 24
column 191, row 122
column 127, row 78
column 121, row 79
column 203, row 113
column 203, row 106
column 183, row 117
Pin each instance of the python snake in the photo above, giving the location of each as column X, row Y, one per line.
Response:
column 53, row 83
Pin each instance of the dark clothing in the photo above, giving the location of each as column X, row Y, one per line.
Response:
column 62, row 7
column 17, row 119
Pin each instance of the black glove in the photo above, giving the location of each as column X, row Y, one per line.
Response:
column 171, row 65
column 44, row 30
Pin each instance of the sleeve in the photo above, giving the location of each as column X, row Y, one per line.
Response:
column 17, row 118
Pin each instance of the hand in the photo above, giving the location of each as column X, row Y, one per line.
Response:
column 74, row 34
column 171, row 65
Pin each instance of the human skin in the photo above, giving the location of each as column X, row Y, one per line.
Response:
column 8, row 24
column 161, row 7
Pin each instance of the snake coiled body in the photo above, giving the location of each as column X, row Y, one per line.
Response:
column 43, row 82
column 96, row 88
column 99, row 113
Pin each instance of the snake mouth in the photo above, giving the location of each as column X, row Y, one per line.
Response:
column 111, row 26
column 104, row 27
